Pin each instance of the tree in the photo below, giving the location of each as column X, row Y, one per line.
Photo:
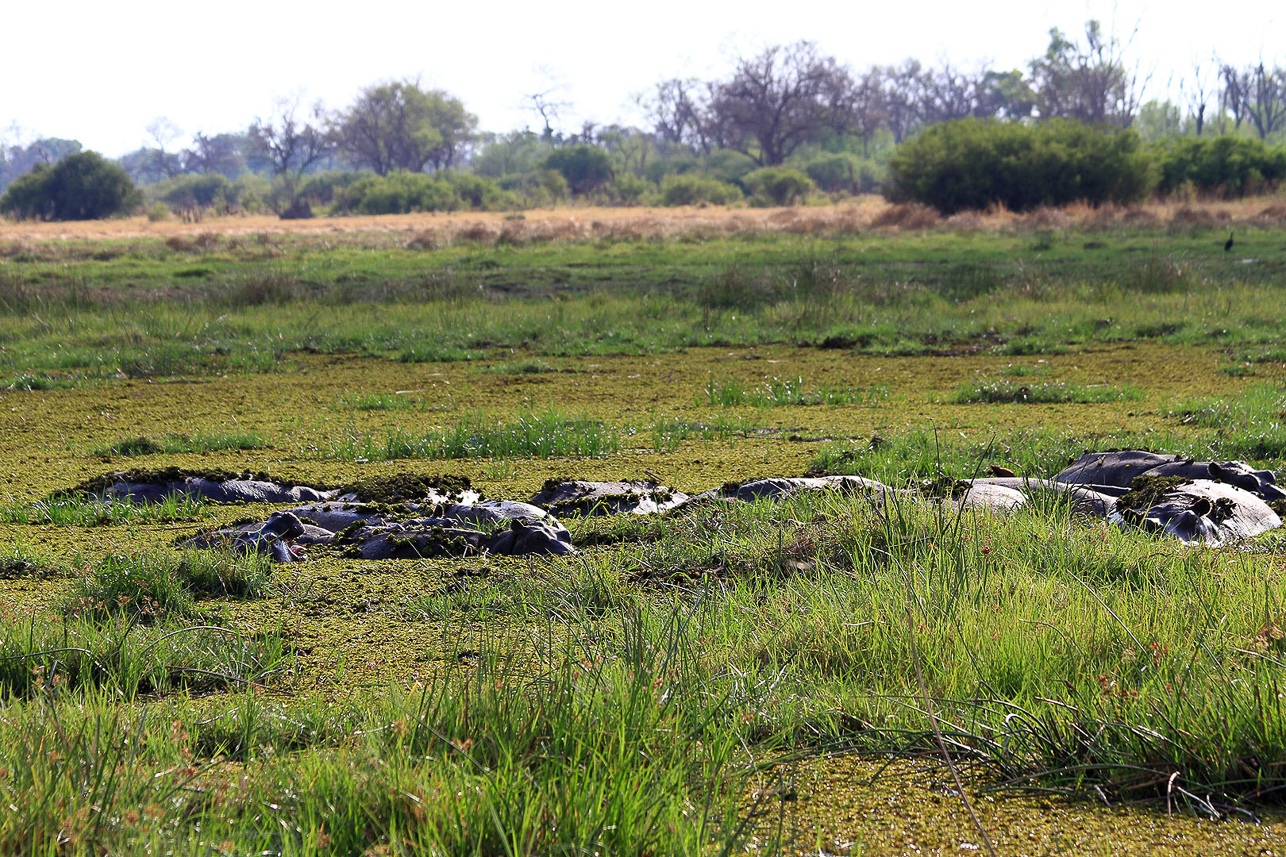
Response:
column 678, row 113
column 1196, row 93
column 585, row 167
column 1266, row 99
column 82, row 186
column 220, row 153
column 902, row 98
column 776, row 101
column 17, row 159
column 1088, row 82
column 399, row 126
column 288, row 144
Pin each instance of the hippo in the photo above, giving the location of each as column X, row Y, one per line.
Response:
column 272, row 538
column 1097, row 500
column 781, row 487
column 1119, row 469
column 1200, row 510
column 432, row 537
column 214, row 491
column 580, row 497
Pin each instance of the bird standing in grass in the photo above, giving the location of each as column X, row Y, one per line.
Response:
column 1227, row 245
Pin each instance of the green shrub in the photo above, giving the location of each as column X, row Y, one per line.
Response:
column 480, row 194
column 691, row 189
column 396, row 193
column 82, row 186
column 586, row 168
column 1228, row 166
column 778, row 186
column 974, row 163
column 844, row 173
column 729, row 166
column 630, row 188
column 188, row 196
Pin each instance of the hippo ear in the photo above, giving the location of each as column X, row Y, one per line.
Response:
column 1202, row 507
column 1215, row 470
column 1267, row 476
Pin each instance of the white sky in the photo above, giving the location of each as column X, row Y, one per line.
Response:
column 101, row 72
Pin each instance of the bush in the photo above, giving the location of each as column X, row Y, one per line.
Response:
column 396, row 193
column 844, row 173
column 630, row 188
column 480, row 194
column 729, row 166
column 1227, row 166
column 188, row 196
column 975, row 163
column 322, row 188
column 690, row 190
column 82, row 186
column 778, row 186
column 586, row 168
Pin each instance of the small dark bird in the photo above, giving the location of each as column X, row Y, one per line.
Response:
column 1227, row 245
column 997, row 470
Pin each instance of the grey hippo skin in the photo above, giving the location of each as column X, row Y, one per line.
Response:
column 1096, row 500
column 1204, row 511
column 582, row 497
column 271, row 538
column 1119, row 469
column 227, row 491
column 781, row 487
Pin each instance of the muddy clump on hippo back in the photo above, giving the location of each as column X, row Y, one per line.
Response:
column 587, row 498
column 1120, row 469
column 784, row 487
column 1195, row 511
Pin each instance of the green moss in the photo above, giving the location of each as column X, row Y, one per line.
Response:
column 1146, row 491
column 402, row 487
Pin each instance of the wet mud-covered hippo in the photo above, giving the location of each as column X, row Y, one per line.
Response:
column 1200, row 510
column 280, row 538
column 782, row 487
column 1119, row 469
column 583, row 497
column 212, row 491
column 1006, row 493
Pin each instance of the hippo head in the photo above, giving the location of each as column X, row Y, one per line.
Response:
column 1183, row 518
column 1260, row 482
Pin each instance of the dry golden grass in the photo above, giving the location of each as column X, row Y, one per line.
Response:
column 432, row 230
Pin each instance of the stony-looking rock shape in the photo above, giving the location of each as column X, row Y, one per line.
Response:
column 431, row 537
column 1119, row 469
column 272, row 538
column 1201, row 510
column 582, row 497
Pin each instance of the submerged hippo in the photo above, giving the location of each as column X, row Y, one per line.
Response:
column 272, row 538
column 999, row 493
column 581, row 497
column 1119, row 469
column 1201, row 510
column 213, row 491
column 781, row 487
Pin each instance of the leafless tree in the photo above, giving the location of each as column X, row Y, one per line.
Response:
column 677, row 111
column 902, row 98
column 948, row 93
column 778, row 100
column 289, row 142
column 1266, row 99
column 1088, row 81
column 1235, row 93
column 164, row 132
column 1196, row 91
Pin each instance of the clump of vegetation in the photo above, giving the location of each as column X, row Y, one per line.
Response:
column 1148, row 490
column 973, row 164
column 180, row 443
column 1004, row 391
column 403, row 487
column 776, row 392
column 81, row 186
column 536, row 435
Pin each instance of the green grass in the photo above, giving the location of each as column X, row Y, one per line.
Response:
column 549, row 434
column 777, row 392
column 1002, row 390
column 68, row 510
column 180, row 443
column 380, row 402
column 889, row 294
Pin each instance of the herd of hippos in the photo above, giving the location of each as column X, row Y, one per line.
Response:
column 1194, row 501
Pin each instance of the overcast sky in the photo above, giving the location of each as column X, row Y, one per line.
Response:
column 102, row 72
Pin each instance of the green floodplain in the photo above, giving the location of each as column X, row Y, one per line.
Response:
column 768, row 678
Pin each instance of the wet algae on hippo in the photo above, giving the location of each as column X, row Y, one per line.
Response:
column 412, row 516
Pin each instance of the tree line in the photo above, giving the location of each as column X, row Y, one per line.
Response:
column 785, row 122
